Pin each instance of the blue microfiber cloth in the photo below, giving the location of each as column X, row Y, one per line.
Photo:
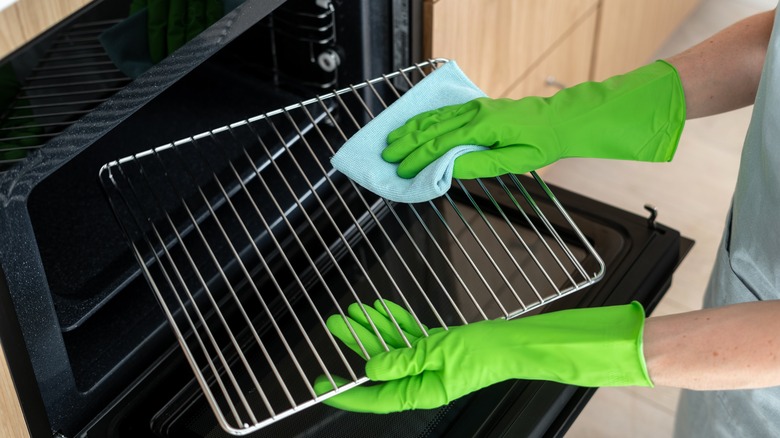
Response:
column 360, row 157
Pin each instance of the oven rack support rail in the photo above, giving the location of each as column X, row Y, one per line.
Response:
column 250, row 240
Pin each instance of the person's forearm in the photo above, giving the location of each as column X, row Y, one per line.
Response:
column 732, row 347
column 722, row 73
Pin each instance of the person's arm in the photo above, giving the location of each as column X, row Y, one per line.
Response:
column 722, row 73
column 738, row 346
column 732, row 347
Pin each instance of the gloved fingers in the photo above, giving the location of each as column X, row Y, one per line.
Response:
column 340, row 326
column 322, row 383
column 417, row 392
column 422, row 121
column 402, row 147
column 425, row 154
column 357, row 399
column 387, row 329
column 157, row 24
column 408, row 323
column 405, row 362
column 499, row 161
column 177, row 17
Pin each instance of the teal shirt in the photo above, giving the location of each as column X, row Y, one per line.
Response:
column 747, row 267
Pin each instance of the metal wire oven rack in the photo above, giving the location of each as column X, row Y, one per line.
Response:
column 71, row 78
column 250, row 240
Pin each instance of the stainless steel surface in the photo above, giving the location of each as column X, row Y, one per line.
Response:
column 250, row 240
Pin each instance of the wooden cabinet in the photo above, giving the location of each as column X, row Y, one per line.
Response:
column 630, row 31
column 497, row 42
column 26, row 19
column 12, row 424
column 567, row 62
column 514, row 48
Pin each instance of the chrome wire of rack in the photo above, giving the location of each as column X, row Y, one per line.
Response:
column 251, row 240
column 71, row 78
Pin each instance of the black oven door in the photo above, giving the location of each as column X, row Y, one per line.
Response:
column 640, row 256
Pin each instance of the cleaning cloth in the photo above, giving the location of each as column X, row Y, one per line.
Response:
column 360, row 157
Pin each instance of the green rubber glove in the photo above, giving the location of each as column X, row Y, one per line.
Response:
column 636, row 116
column 585, row 347
column 171, row 23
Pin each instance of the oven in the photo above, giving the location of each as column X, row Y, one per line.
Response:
column 90, row 349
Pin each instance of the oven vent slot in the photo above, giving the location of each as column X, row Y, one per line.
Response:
column 250, row 240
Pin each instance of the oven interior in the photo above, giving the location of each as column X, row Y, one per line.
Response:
column 94, row 292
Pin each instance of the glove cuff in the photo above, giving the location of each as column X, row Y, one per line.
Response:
column 677, row 113
column 633, row 371
column 636, row 116
column 595, row 347
column 618, row 359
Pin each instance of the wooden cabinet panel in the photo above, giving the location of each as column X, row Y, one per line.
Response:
column 568, row 63
column 11, row 34
column 495, row 41
column 26, row 19
column 630, row 31
column 37, row 16
column 12, row 423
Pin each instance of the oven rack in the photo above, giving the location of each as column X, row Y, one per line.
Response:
column 250, row 240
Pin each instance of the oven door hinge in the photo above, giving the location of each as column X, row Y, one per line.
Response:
column 653, row 215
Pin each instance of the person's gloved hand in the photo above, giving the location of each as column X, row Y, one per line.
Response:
column 636, row 116
column 586, row 347
column 171, row 23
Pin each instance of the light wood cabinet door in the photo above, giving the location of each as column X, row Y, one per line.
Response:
column 495, row 41
column 12, row 424
column 26, row 19
column 567, row 63
column 631, row 31
column 11, row 33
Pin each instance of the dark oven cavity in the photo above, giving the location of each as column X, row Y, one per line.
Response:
column 88, row 317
